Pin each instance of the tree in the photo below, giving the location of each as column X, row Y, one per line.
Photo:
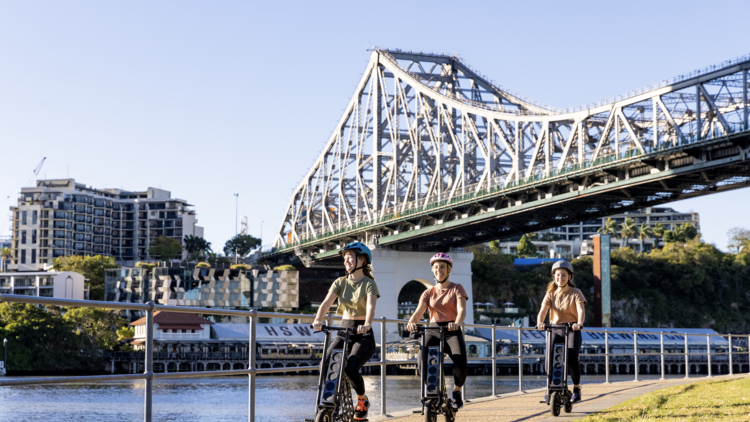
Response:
column 241, row 245
column 97, row 328
column 738, row 237
column 658, row 231
column 681, row 234
column 525, row 247
column 645, row 232
column 495, row 246
column 628, row 229
column 91, row 267
column 38, row 340
column 165, row 248
column 197, row 244
column 610, row 227
column 125, row 333
column 5, row 253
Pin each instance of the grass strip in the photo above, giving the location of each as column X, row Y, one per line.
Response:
column 720, row 400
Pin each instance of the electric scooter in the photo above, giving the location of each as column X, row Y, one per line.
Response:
column 558, row 394
column 435, row 399
column 333, row 402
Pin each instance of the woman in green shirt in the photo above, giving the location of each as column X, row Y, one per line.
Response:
column 357, row 294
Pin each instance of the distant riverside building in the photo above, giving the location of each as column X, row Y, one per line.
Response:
column 5, row 242
column 61, row 285
column 203, row 287
column 61, row 217
column 572, row 237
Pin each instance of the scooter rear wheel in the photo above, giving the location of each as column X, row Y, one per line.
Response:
column 556, row 403
column 568, row 406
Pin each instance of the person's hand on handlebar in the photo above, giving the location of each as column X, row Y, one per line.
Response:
column 452, row 326
column 412, row 327
column 363, row 328
column 317, row 325
column 541, row 326
column 577, row 326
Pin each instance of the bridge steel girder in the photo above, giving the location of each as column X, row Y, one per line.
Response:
column 430, row 154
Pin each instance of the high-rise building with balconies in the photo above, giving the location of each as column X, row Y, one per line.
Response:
column 61, row 217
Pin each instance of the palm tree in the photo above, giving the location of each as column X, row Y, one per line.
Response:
column 644, row 233
column 658, row 233
column 5, row 253
column 628, row 230
column 610, row 227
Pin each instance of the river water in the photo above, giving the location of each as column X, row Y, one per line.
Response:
column 287, row 398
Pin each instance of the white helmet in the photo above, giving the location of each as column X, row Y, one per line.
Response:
column 563, row 264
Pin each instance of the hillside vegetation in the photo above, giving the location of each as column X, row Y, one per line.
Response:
column 690, row 284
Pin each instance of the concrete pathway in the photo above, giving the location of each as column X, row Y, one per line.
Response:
column 525, row 407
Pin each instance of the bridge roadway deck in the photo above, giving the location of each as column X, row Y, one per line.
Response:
column 517, row 407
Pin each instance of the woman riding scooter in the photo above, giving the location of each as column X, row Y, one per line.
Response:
column 567, row 306
column 446, row 302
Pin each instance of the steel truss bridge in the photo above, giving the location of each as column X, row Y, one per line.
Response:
column 431, row 155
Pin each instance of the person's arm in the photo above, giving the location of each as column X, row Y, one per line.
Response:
column 461, row 308
column 416, row 316
column 581, row 308
column 372, row 300
column 542, row 315
column 323, row 310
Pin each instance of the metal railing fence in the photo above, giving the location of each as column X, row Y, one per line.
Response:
column 148, row 376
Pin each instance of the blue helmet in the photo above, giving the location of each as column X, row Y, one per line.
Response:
column 359, row 248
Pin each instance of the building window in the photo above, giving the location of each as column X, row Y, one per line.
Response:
column 23, row 217
column 33, row 217
column 33, row 256
column 23, row 237
column 33, row 237
column 23, row 256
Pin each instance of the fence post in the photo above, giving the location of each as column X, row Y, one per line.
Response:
column 662, row 354
column 687, row 358
column 635, row 354
column 494, row 361
column 708, row 353
column 520, row 360
column 251, row 366
column 383, row 367
column 731, row 361
column 606, row 357
column 148, row 363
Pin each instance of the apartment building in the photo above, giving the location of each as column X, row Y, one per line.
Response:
column 61, row 285
column 61, row 217
column 566, row 241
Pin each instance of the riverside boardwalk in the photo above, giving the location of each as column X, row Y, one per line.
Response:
column 516, row 407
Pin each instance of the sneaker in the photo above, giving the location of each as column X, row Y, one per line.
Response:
column 360, row 413
column 546, row 398
column 576, row 395
column 457, row 401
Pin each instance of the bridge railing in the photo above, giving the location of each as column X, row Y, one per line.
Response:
column 438, row 201
column 148, row 376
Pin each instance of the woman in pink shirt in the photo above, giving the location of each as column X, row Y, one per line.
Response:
column 446, row 302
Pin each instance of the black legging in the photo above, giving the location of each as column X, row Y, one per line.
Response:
column 574, row 348
column 361, row 347
column 454, row 346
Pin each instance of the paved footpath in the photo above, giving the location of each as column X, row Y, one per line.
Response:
column 526, row 407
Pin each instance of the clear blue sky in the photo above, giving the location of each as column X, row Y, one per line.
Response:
column 207, row 99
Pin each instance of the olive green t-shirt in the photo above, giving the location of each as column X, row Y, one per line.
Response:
column 353, row 295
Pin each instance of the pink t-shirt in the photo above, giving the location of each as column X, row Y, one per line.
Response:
column 443, row 304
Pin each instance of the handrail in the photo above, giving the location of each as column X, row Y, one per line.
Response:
column 149, row 376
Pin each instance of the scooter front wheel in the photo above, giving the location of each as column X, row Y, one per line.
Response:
column 430, row 414
column 556, row 403
column 324, row 415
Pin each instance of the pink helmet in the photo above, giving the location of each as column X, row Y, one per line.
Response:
column 441, row 257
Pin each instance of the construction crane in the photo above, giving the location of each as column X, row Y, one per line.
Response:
column 31, row 179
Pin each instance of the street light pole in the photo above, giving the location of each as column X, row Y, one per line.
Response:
column 236, row 213
column 261, row 233
column 5, row 362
